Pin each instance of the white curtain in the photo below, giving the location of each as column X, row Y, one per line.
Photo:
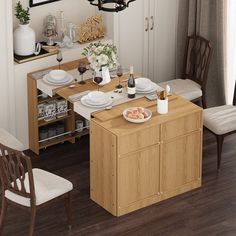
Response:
column 231, row 51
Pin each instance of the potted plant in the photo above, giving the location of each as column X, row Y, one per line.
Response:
column 102, row 57
column 24, row 36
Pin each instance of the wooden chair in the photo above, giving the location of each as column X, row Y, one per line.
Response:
column 221, row 121
column 197, row 60
column 29, row 188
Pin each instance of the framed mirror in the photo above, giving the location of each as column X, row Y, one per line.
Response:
column 34, row 3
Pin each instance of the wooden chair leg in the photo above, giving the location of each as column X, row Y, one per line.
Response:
column 220, row 140
column 204, row 105
column 68, row 209
column 3, row 213
column 32, row 220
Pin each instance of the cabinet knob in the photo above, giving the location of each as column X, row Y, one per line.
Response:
column 147, row 24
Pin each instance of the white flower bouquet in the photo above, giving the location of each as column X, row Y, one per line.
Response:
column 100, row 55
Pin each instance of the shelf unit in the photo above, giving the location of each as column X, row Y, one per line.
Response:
column 70, row 134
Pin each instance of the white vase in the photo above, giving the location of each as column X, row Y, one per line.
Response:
column 106, row 78
column 24, row 40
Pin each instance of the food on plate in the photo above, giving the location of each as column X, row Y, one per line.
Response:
column 137, row 113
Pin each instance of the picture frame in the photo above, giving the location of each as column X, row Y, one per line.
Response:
column 35, row 3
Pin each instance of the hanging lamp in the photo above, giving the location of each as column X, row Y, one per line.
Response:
column 111, row 5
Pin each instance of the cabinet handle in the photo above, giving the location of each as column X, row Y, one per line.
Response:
column 147, row 26
column 152, row 27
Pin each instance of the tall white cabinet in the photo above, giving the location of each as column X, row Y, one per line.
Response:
column 146, row 35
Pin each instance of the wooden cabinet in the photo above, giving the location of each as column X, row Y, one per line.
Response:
column 136, row 165
column 145, row 34
column 138, row 176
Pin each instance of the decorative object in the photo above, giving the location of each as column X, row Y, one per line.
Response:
column 24, row 36
column 34, row 3
column 50, row 111
column 62, row 108
column 61, row 26
column 117, row 5
column 92, row 29
column 50, row 32
column 101, row 54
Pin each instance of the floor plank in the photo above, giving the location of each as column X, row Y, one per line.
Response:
column 209, row 210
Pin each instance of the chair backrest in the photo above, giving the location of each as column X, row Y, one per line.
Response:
column 234, row 99
column 197, row 59
column 14, row 166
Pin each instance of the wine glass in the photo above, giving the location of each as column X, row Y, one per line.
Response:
column 98, row 79
column 82, row 69
column 119, row 73
column 59, row 58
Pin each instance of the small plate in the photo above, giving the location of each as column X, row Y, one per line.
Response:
column 137, row 121
column 57, row 75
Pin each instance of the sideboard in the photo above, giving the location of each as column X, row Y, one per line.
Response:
column 136, row 165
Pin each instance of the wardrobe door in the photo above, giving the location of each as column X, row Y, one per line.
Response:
column 131, row 36
column 164, row 44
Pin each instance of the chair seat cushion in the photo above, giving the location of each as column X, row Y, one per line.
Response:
column 220, row 120
column 47, row 187
column 10, row 141
column 184, row 87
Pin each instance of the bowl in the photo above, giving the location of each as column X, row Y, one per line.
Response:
column 96, row 96
column 147, row 112
column 57, row 74
column 142, row 83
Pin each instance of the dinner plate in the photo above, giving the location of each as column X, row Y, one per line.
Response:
column 154, row 88
column 69, row 79
column 137, row 121
column 84, row 101
column 97, row 103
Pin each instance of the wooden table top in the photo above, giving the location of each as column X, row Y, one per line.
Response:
column 113, row 119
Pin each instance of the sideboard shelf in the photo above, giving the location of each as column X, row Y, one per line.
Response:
column 35, row 124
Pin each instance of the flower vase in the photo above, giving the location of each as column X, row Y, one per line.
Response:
column 24, row 40
column 106, row 78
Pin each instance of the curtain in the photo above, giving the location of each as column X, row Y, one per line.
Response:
column 211, row 24
column 231, row 51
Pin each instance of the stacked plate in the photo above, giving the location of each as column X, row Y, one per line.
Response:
column 58, row 77
column 96, row 99
column 146, row 86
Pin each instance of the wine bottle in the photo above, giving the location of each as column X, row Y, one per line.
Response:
column 131, row 84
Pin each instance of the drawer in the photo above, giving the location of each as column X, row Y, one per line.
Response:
column 182, row 126
column 138, row 140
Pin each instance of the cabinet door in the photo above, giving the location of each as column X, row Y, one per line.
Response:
column 181, row 164
column 138, row 176
column 162, row 50
column 131, row 37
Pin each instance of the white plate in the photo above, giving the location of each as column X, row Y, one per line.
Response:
column 142, row 83
column 51, row 80
column 97, row 103
column 69, row 79
column 137, row 121
column 85, row 103
column 154, row 88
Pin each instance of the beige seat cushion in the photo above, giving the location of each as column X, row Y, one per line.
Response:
column 10, row 141
column 220, row 120
column 184, row 87
column 47, row 187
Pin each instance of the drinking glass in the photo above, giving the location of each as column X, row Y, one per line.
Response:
column 119, row 73
column 59, row 58
column 82, row 69
column 98, row 78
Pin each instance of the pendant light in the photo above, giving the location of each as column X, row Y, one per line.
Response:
column 111, row 5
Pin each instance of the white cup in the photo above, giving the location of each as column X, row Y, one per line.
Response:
column 162, row 106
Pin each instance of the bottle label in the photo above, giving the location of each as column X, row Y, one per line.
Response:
column 131, row 90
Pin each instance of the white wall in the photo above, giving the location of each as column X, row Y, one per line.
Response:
column 13, row 82
column 75, row 11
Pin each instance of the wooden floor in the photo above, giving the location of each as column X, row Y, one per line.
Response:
column 210, row 210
